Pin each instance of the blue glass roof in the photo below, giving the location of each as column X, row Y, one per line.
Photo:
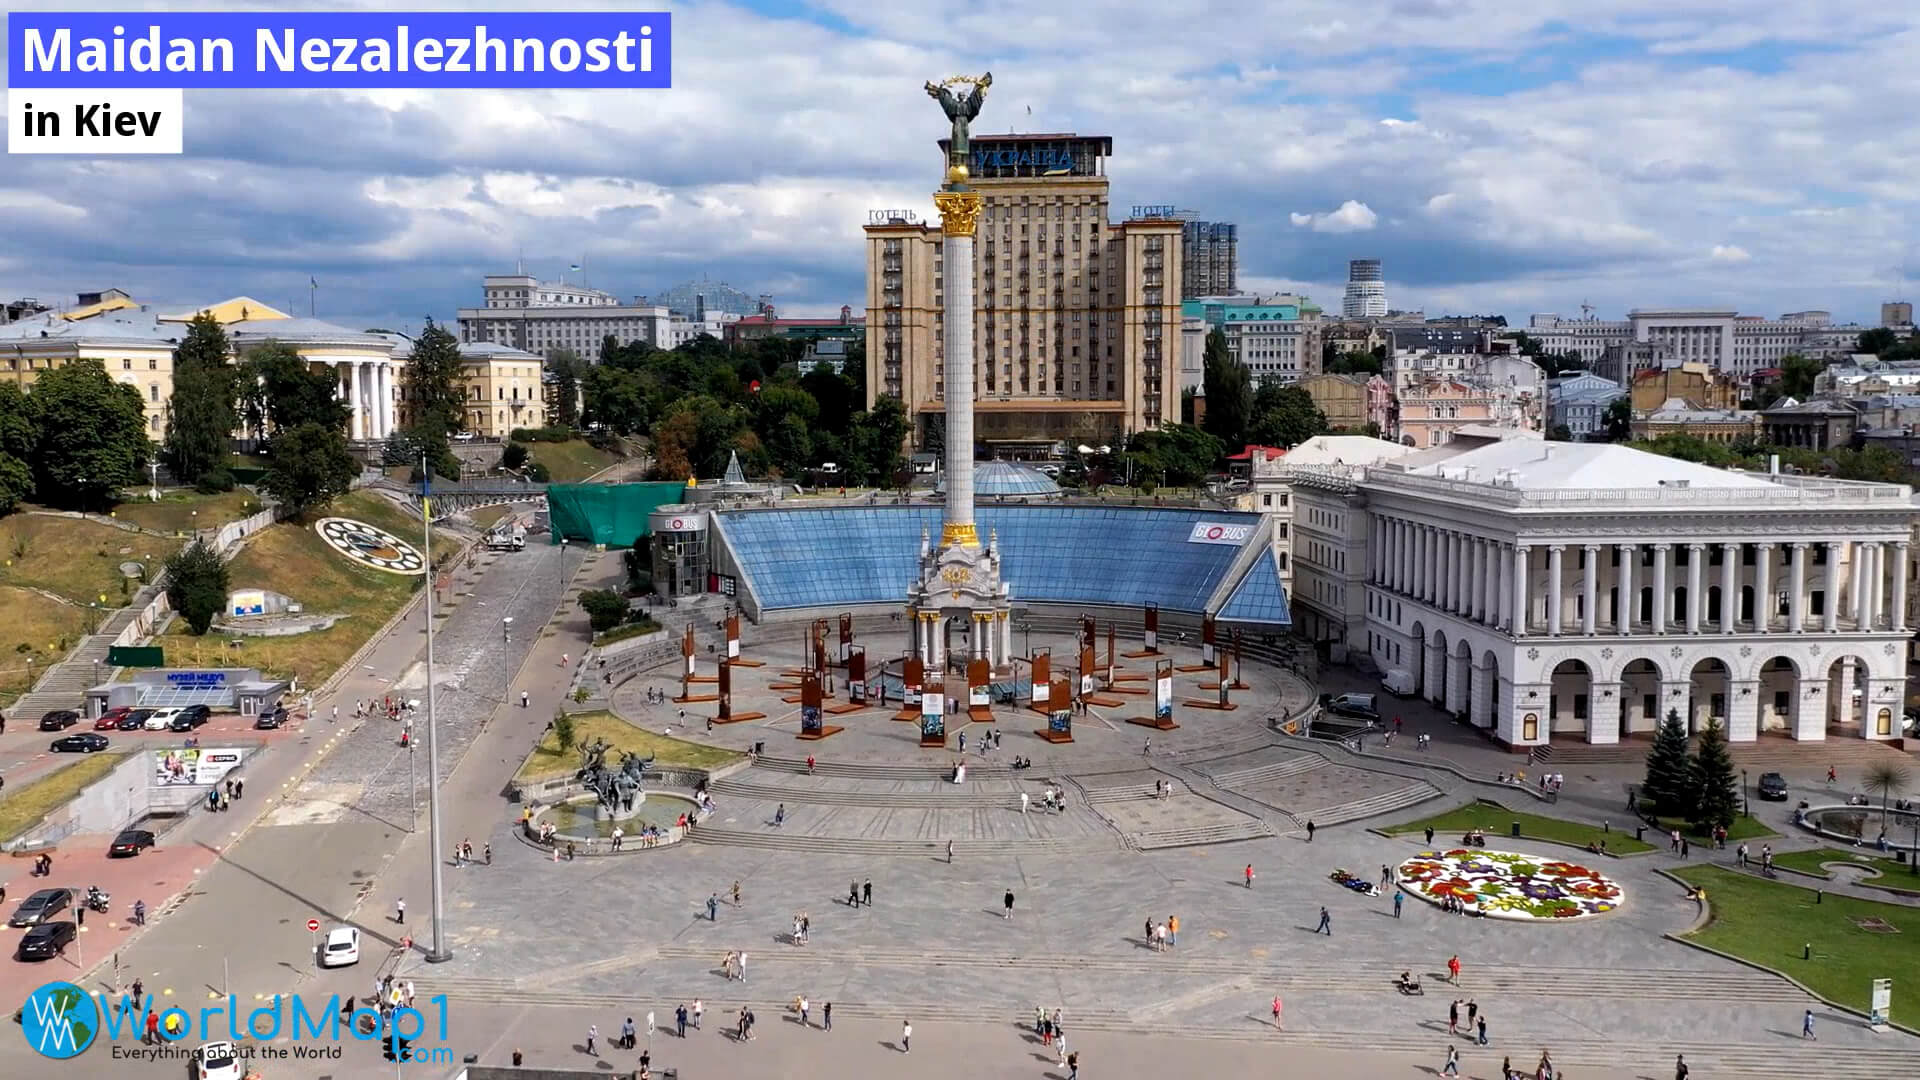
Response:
column 991, row 478
column 1259, row 597
column 1063, row 554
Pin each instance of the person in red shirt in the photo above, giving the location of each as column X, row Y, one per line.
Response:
column 1453, row 969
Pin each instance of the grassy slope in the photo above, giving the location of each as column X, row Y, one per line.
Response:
column 22, row 809
column 570, row 462
column 36, row 622
column 1496, row 820
column 546, row 761
column 181, row 512
column 77, row 559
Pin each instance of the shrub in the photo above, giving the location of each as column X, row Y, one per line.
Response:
column 539, row 473
column 605, row 608
column 197, row 585
column 540, row 434
column 513, row 455
column 214, row 481
column 563, row 732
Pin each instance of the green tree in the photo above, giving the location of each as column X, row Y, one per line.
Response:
column 1797, row 374
column 310, row 467
column 1354, row 363
column 433, row 385
column 1560, row 433
column 90, row 436
column 197, row 584
column 513, row 456
column 201, row 413
column 1617, row 421
column 563, row 730
column 1228, row 390
column 1284, row 416
column 280, row 390
column 1887, row 779
column 1669, row 782
column 1877, row 341
column 615, row 398
column 1177, row 455
column 17, row 437
column 873, row 446
column 605, row 609
column 564, row 394
column 639, row 562
column 1716, row 798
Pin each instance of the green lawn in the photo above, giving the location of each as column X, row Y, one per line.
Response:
column 22, row 809
column 77, row 559
column 181, row 512
column 547, row 761
column 1767, row 922
column 289, row 557
column 34, row 622
column 571, row 461
column 1497, row 821
column 1743, row 828
column 1808, row 862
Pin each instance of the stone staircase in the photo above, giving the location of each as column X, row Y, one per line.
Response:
column 1124, row 792
column 778, row 840
column 976, row 769
column 1199, row 835
column 957, row 797
column 64, row 686
column 1386, row 803
column 1266, row 773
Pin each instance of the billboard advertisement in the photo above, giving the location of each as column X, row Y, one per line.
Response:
column 1163, row 697
column 194, row 765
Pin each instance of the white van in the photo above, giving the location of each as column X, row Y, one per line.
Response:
column 1398, row 683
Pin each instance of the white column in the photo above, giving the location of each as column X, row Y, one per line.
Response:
column 1590, row 617
column 1519, row 598
column 1377, row 557
column 1857, row 558
column 1797, row 591
column 1696, row 570
column 1897, row 615
column 1502, row 614
column 1416, row 561
column 1762, row 588
column 1433, row 567
column 1006, row 638
column 386, row 400
column 1876, row 584
column 958, row 515
column 1454, row 565
column 1662, row 553
column 1553, row 589
column 1629, row 597
column 343, row 379
column 1477, row 579
column 1729, row 586
column 1402, row 556
column 1831, row 621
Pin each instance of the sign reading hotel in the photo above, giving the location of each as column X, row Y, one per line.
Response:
column 1216, row 532
column 892, row 217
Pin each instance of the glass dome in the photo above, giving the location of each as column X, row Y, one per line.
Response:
column 1011, row 479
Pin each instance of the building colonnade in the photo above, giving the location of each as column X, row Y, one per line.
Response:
column 368, row 388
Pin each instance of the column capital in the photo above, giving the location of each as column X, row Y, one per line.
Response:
column 1590, row 547
column 1802, row 545
column 1900, row 545
column 1663, row 547
column 1556, row 548
column 1696, row 545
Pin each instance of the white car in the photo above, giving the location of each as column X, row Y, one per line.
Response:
column 341, row 947
column 160, row 721
column 464, row 436
column 217, row 1061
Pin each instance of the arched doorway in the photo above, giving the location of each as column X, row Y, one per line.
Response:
column 1417, row 658
column 1847, row 701
column 1779, row 695
column 1639, row 697
column 1460, row 678
column 1486, row 686
column 1437, row 669
column 1710, row 694
column 1570, row 698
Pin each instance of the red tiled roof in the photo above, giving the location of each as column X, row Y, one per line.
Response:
column 1272, row 453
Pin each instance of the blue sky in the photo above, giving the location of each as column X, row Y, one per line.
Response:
column 1498, row 157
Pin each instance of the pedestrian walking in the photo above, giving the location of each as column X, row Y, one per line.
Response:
column 1073, row 1066
column 780, row 815
column 334, row 717
column 1429, row 834
column 949, row 853
column 1453, row 1017
column 1023, row 802
column 486, row 853
column 1483, row 1031
column 1173, row 931
column 742, row 961
column 565, row 659
column 1249, row 875
column 1452, row 1067
column 1008, row 902
column 1806, row 1025
column 523, row 699
column 627, row 1034
column 593, row 1032
column 803, row 1011
column 1453, row 969
column 1276, row 1014
column 1399, row 897
column 680, row 1021
column 1310, row 828
column 866, row 890
column 713, row 908
column 1326, row 923
column 826, row 1017
column 853, row 894
column 400, row 911
column 906, row 1036
column 1680, row 1069
column 736, row 893
column 1473, row 1010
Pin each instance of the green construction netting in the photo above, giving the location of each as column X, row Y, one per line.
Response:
column 610, row 514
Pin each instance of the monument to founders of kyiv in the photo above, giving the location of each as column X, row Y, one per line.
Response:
column 959, row 578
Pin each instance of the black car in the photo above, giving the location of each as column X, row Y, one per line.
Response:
column 1773, row 786
column 46, row 941
column 130, row 842
column 271, row 720
column 87, row 742
column 59, row 720
column 41, row 907
column 135, row 720
column 198, row 714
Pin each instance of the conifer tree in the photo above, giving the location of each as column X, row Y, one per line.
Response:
column 1669, row 780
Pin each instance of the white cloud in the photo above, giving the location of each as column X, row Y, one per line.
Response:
column 1728, row 253
column 1352, row 216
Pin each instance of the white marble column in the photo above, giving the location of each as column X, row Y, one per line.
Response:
column 1377, row 556
column 1876, row 585
column 1831, row 620
column 1729, row 586
column 386, row 401
column 1501, row 561
column 1857, row 558
column 1477, row 580
column 1797, row 590
column 1417, row 572
column 1430, row 573
column 1519, row 587
column 1696, row 572
column 1629, row 600
column 1589, row 618
column 1897, row 615
column 957, row 519
column 1553, row 589
column 1762, row 588
column 1456, row 571
column 1402, row 556
column 1662, row 600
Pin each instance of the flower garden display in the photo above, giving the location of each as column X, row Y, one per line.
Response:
column 1509, row 885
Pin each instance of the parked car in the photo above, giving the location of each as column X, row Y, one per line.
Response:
column 341, row 947
column 217, row 1061
column 46, row 941
column 186, row 719
column 200, row 713
column 1358, row 706
column 41, row 907
column 59, row 720
column 130, row 842
column 271, row 719
column 87, row 742
column 135, row 720
column 112, row 718
column 1399, row 683
column 161, row 719
column 1773, row 786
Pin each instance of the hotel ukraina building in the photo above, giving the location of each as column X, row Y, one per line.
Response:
column 1077, row 330
column 1580, row 591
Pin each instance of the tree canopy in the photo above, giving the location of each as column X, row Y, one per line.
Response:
column 1284, row 416
column 310, row 467
column 197, row 585
column 201, row 412
column 17, row 438
column 281, row 390
column 90, row 435
column 1228, row 389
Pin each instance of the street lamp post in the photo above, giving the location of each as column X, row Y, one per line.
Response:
column 1746, row 793
column 439, row 952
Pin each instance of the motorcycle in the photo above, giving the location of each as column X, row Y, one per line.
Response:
column 98, row 900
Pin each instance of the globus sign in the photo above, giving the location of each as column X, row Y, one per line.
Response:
column 1212, row 532
column 61, row 1021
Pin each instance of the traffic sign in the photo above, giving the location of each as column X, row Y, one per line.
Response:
column 313, row 926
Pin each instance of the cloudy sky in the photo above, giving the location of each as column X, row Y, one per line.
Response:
column 1498, row 156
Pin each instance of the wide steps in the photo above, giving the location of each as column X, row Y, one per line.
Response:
column 1127, row 792
column 1385, row 803
column 1268, row 773
column 776, row 840
column 958, row 798
column 1199, row 835
column 932, row 770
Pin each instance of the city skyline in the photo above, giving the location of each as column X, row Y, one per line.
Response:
column 1495, row 161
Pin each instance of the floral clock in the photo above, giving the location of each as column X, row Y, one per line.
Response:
column 1508, row 885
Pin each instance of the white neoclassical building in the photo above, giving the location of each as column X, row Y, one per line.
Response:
column 1581, row 591
column 368, row 372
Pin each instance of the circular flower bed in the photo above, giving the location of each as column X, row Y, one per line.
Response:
column 1508, row 885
